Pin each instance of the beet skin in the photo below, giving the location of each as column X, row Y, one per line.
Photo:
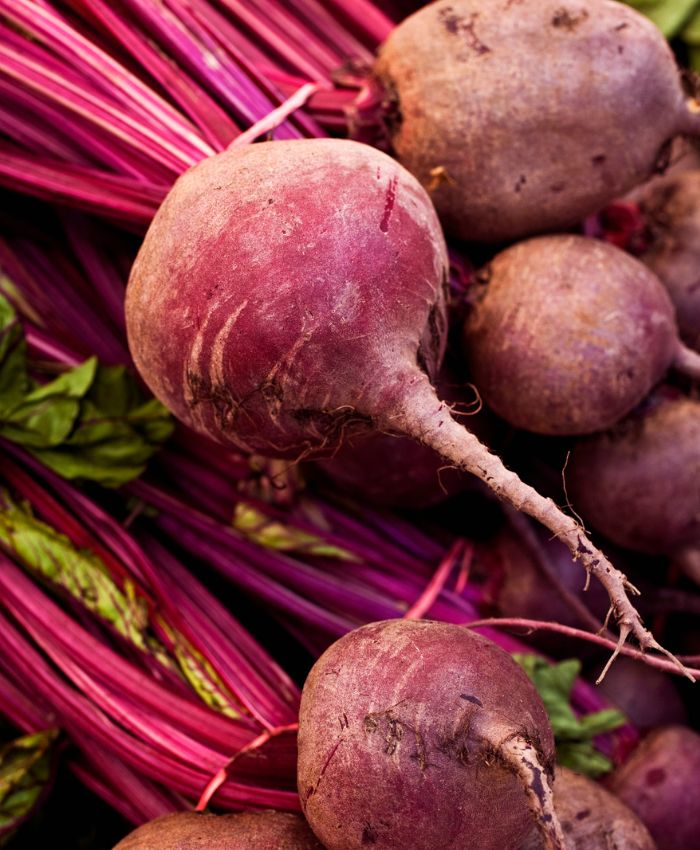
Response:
column 525, row 116
column 245, row 831
column 404, row 736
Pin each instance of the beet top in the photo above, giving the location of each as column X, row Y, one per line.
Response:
column 423, row 735
column 245, row 831
column 288, row 294
column 522, row 116
column 569, row 334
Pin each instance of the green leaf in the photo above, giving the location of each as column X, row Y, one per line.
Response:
column 26, row 767
column 272, row 534
column 14, row 381
column 691, row 31
column 573, row 735
column 670, row 16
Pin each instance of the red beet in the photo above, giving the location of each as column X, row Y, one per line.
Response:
column 245, row 831
column 659, row 782
column 290, row 294
column 523, row 116
column 672, row 212
column 593, row 818
column 569, row 334
column 423, row 735
column 639, row 484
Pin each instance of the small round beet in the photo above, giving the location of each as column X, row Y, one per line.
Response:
column 639, row 484
column 659, row 782
column 671, row 209
column 524, row 116
column 569, row 334
column 423, row 735
column 245, row 831
column 593, row 818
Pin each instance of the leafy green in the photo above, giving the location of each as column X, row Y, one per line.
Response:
column 90, row 422
column 273, row 534
column 573, row 735
column 26, row 766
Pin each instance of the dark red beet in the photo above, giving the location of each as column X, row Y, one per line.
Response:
column 423, row 735
column 639, row 484
column 659, row 782
column 523, row 116
column 672, row 212
column 646, row 696
column 290, row 294
column 593, row 818
column 245, row 831
column 569, row 334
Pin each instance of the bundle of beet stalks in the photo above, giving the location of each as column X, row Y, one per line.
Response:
column 363, row 335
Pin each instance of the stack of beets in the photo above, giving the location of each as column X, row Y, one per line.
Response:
column 291, row 299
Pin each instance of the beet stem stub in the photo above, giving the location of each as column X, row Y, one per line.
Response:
column 687, row 361
column 428, row 420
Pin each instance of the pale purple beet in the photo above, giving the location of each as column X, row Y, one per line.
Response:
column 290, row 294
column 423, row 735
column 245, row 831
column 639, row 484
column 672, row 212
column 659, row 782
column 523, row 116
column 646, row 696
column 593, row 818
column 569, row 334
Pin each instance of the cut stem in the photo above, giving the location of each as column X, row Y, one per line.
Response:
column 687, row 361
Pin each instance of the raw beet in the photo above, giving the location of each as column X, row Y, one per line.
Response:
column 522, row 116
column 290, row 294
column 671, row 209
column 659, row 782
column 245, row 831
column 423, row 735
column 593, row 818
column 646, row 696
column 569, row 334
column 639, row 484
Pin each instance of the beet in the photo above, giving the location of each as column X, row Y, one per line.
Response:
column 569, row 334
column 671, row 209
column 524, row 116
column 593, row 818
column 659, row 782
column 291, row 294
column 646, row 696
column 245, row 831
column 423, row 735
column 639, row 484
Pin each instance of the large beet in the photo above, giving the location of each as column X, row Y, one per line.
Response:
column 671, row 209
column 523, row 116
column 245, row 831
column 569, row 334
column 639, row 484
column 593, row 818
column 422, row 735
column 289, row 294
column 659, row 782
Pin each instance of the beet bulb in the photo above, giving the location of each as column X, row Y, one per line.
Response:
column 569, row 334
column 659, row 782
column 524, row 116
column 289, row 294
column 245, row 831
column 423, row 735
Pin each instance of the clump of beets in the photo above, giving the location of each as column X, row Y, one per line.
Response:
column 659, row 782
column 569, row 334
column 291, row 294
column 245, row 831
column 518, row 115
column 639, row 484
column 593, row 818
column 423, row 735
column 671, row 210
